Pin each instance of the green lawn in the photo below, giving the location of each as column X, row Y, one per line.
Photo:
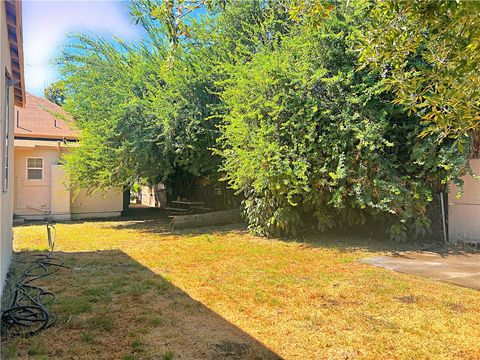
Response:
column 137, row 291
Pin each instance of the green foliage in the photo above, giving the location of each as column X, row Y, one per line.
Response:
column 429, row 53
column 107, row 86
column 138, row 115
column 101, row 322
column 307, row 137
column 148, row 111
column 87, row 337
column 173, row 15
column 271, row 96
column 168, row 355
column 56, row 93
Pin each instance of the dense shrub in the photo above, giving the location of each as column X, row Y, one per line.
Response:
column 305, row 135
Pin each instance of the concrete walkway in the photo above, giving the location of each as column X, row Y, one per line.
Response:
column 462, row 269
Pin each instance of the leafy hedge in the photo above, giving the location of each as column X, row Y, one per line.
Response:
column 306, row 136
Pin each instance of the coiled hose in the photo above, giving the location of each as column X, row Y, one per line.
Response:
column 27, row 311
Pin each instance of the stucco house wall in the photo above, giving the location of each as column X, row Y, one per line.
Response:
column 464, row 212
column 31, row 194
column 11, row 63
column 107, row 204
column 6, row 198
column 52, row 192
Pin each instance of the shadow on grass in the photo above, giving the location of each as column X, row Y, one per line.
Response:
column 341, row 240
column 155, row 221
column 350, row 240
column 134, row 213
column 345, row 240
column 110, row 306
column 149, row 220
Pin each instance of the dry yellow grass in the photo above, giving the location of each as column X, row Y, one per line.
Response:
column 137, row 291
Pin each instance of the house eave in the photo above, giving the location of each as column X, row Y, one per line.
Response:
column 41, row 144
column 13, row 12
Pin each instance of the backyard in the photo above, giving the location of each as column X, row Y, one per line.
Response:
column 135, row 290
column 344, row 135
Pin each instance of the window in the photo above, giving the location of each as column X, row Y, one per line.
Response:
column 34, row 168
column 5, row 128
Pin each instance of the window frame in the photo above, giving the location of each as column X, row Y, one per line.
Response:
column 35, row 168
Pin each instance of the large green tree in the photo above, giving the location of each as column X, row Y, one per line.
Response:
column 429, row 54
column 149, row 110
column 107, row 87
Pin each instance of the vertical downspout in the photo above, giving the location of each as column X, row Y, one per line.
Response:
column 444, row 223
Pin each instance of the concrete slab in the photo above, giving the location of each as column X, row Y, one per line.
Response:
column 461, row 268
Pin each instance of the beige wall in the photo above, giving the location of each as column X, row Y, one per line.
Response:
column 148, row 196
column 154, row 195
column 464, row 212
column 33, row 193
column 105, row 204
column 60, row 193
column 51, row 193
column 6, row 199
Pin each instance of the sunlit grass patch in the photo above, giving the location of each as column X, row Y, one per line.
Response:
column 137, row 293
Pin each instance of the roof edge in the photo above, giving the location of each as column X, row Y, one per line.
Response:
column 13, row 13
column 52, row 138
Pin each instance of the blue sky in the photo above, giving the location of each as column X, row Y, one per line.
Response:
column 47, row 23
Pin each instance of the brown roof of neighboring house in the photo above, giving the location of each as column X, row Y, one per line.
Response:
column 42, row 119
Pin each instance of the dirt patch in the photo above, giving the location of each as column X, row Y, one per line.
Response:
column 407, row 299
column 459, row 308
